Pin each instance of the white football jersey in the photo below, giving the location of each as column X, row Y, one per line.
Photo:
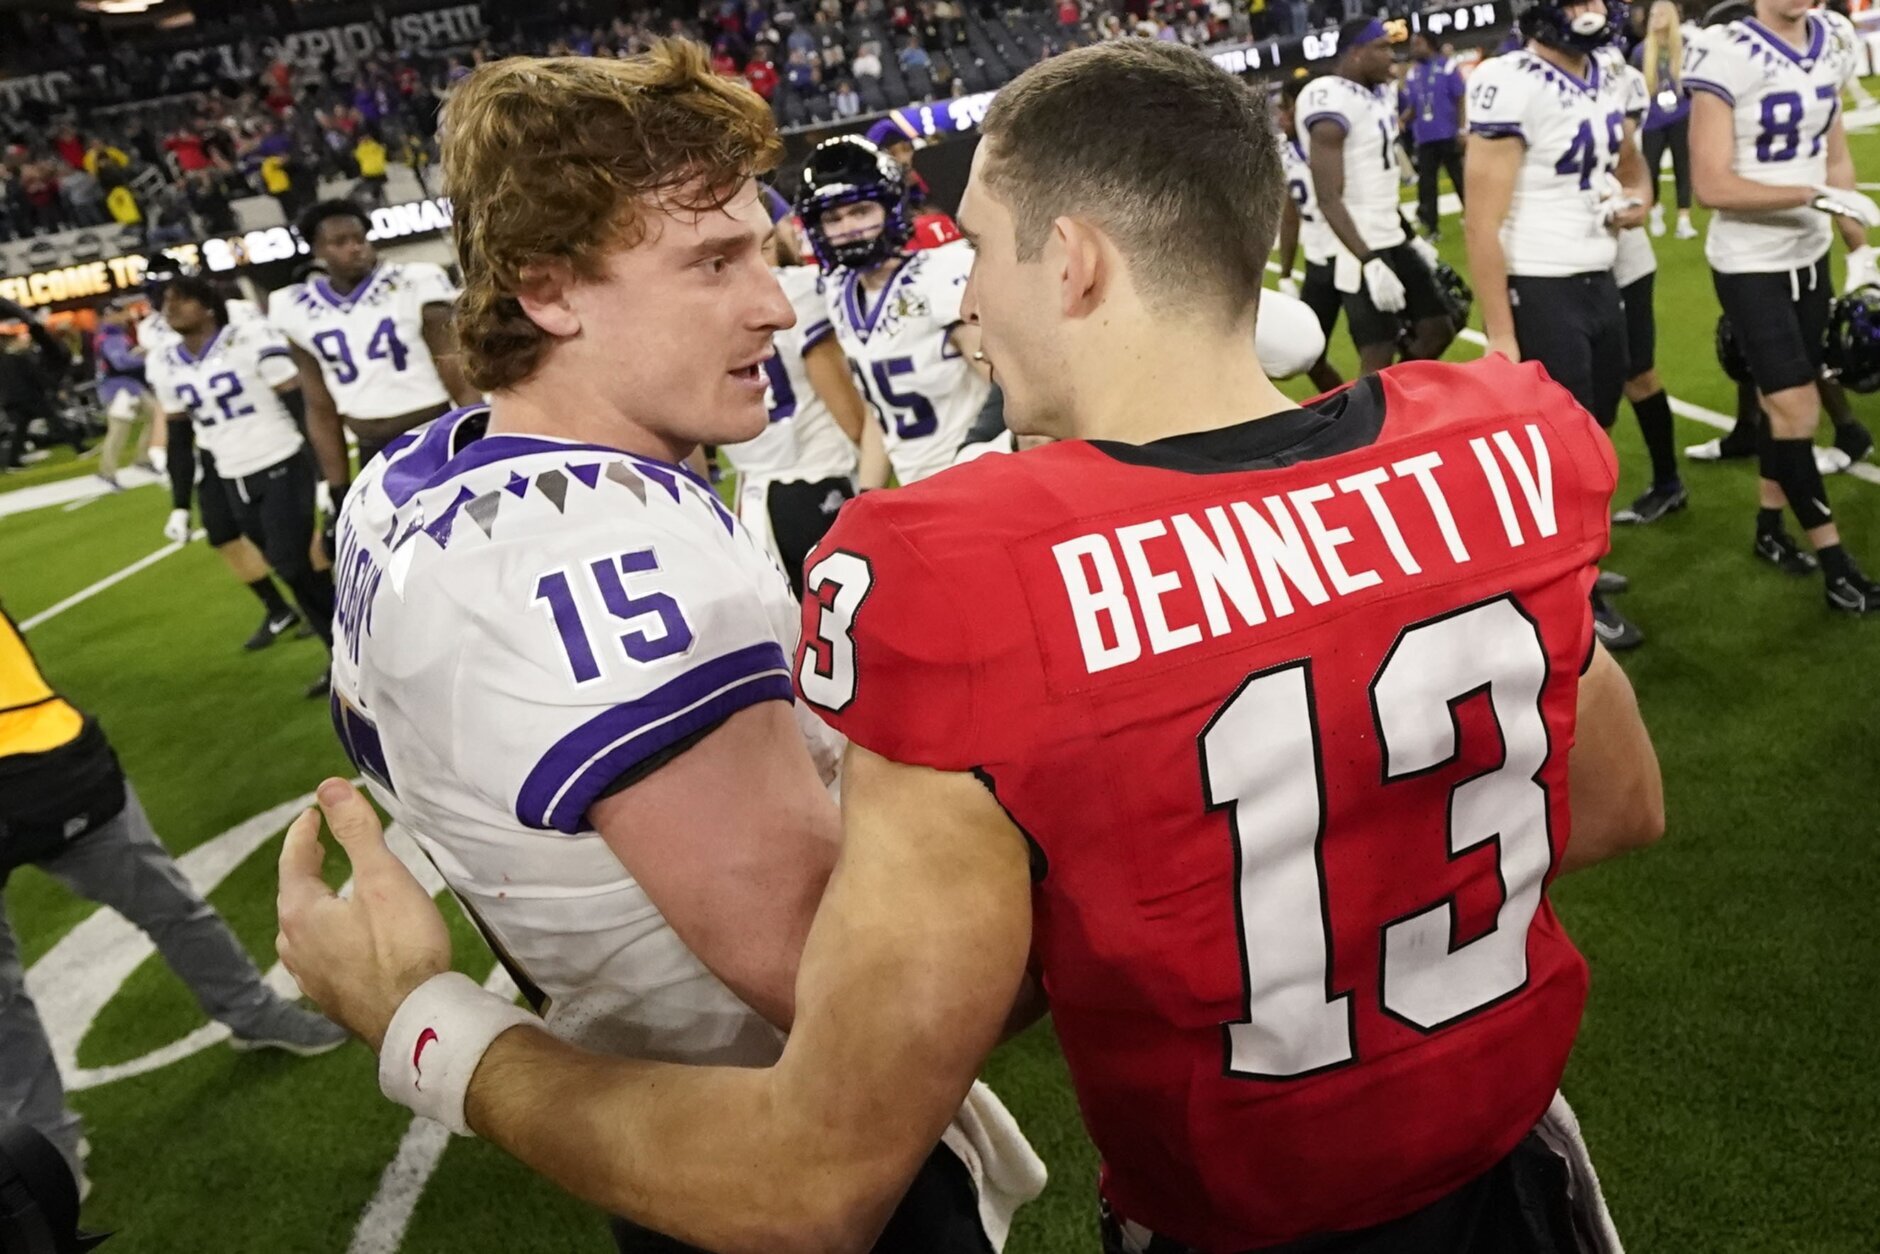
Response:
column 925, row 394
column 1369, row 119
column 228, row 392
column 1635, row 258
column 1315, row 237
column 522, row 622
column 1785, row 102
column 370, row 345
column 802, row 440
column 1572, row 131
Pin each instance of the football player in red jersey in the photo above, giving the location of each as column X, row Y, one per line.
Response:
column 1251, row 734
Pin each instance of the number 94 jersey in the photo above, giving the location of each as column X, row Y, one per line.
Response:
column 370, row 345
column 898, row 342
column 1287, row 724
column 1784, row 102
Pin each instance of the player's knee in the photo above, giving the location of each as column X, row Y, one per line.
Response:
column 1430, row 338
column 1794, row 413
column 1642, row 385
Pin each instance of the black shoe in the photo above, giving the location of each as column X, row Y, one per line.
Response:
column 1653, row 505
column 321, row 686
column 1611, row 583
column 272, row 625
column 1725, row 448
column 1617, row 632
column 1854, row 593
column 304, row 631
column 1779, row 549
column 1854, row 440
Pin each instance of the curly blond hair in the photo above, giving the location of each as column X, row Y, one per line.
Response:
column 560, row 159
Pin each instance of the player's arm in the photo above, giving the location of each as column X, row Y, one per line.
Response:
column 325, row 429
column 1327, row 156
column 736, row 871
column 964, row 337
column 872, row 468
column 1490, row 173
column 1634, row 178
column 442, row 344
column 1713, row 157
column 1613, row 781
column 182, row 459
column 1288, row 238
column 1841, row 175
column 828, row 370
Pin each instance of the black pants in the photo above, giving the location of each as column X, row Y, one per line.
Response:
column 1518, row 1206
column 275, row 509
column 216, row 504
column 939, row 1215
column 1780, row 319
column 801, row 513
column 1574, row 325
column 1676, row 137
column 1432, row 159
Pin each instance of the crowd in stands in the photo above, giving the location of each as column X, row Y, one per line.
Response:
column 164, row 147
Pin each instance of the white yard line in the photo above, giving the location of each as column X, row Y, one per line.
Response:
column 86, row 594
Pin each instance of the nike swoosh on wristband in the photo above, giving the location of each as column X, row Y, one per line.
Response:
column 417, row 1055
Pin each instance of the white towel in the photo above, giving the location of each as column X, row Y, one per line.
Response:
column 1592, row 1222
column 1006, row 1171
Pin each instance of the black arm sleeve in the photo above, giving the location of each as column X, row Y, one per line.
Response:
column 182, row 455
column 296, row 405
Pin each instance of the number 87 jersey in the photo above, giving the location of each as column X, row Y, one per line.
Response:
column 1286, row 721
column 1784, row 102
column 370, row 344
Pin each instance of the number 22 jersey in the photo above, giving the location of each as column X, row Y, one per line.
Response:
column 370, row 345
column 1783, row 102
column 1287, row 722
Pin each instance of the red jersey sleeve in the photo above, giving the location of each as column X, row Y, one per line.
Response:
column 886, row 650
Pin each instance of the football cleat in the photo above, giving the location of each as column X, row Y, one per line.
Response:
column 1854, row 593
column 1617, row 632
column 1611, row 583
column 1854, row 440
column 1653, row 505
column 272, row 625
column 287, row 1027
column 1727, row 448
column 321, row 686
column 1780, row 550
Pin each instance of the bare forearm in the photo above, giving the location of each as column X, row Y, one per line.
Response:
column 1724, row 190
column 1343, row 227
column 327, row 434
column 1488, row 266
column 1288, row 240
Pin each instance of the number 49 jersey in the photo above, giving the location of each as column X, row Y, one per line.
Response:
column 370, row 345
column 1573, row 131
column 1784, row 101
column 1286, row 711
column 898, row 341
column 522, row 625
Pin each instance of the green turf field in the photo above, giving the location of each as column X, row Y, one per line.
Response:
column 1723, row 1076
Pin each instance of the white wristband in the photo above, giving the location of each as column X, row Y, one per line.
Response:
column 435, row 1042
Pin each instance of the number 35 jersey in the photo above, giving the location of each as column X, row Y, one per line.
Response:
column 1573, row 131
column 1783, row 101
column 523, row 624
column 898, row 340
column 370, row 345
column 1285, row 711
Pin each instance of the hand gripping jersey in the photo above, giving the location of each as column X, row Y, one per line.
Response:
column 1784, row 101
column 1573, row 131
column 802, row 440
column 1635, row 258
column 1370, row 123
column 522, row 622
column 370, row 345
column 228, row 392
column 1291, row 742
column 1315, row 238
column 925, row 394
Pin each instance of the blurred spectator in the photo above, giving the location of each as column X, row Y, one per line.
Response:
column 71, row 149
column 722, row 60
column 761, row 74
column 914, row 57
column 99, row 155
column 847, row 103
column 801, row 73
column 369, row 158
column 867, row 62
column 210, row 203
column 83, row 198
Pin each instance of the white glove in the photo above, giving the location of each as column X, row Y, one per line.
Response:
column 176, row 530
column 1289, row 285
column 159, row 457
column 1613, row 206
column 1385, row 287
column 1863, row 268
column 1844, row 202
column 323, row 498
column 1427, row 251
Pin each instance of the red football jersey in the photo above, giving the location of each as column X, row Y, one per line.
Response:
column 1286, row 711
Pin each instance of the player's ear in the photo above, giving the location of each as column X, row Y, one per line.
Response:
column 544, row 291
column 1080, row 258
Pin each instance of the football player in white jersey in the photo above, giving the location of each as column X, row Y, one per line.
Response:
column 1635, row 270
column 1769, row 155
column 1347, row 126
column 372, row 341
column 231, row 388
column 1303, row 229
column 794, row 476
column 895, row 313
column 1554, row 174
column 559, row 660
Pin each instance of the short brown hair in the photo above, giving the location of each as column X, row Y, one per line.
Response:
column 1175, row 160
column 558, row 159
